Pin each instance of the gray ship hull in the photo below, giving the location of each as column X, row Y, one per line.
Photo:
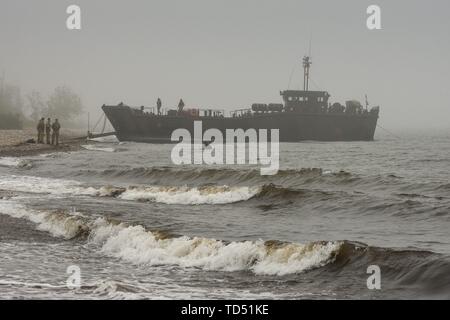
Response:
column 135, row 125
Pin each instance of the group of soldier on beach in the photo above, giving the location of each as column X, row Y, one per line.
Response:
column 48, row 130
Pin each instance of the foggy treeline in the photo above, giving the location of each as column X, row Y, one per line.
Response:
column 18, row 110
column 11, row 106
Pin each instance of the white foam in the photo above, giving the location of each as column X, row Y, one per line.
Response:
column 55, row 155
column 9, row 162
column 110, row 139
column 91, row 147
column 44, row 185
column 114, row 290
column 167, row 195
column 14, row 162
column 137, row 245
column 192, row 196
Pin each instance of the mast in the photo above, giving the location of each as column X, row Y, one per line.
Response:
column 306, row 65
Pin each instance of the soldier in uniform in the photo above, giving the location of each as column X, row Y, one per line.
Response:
column 40, row 130
column 48, row 128
column 55, row 135
column 158, row 105
column 180, row 105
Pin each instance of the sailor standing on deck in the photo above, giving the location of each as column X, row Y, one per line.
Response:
column 158, row 105
column 55, row 135
column 180, row 105
column 40, row 129
column 48, row 129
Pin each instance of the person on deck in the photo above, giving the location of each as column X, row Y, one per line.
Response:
column 158, row 105
column 180, row 105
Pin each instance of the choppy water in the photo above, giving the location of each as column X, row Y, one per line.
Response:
column 140, row 227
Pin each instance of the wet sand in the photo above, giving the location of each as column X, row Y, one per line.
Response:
column 13, row 143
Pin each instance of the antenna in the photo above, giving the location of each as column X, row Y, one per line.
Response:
column 306, row 65
column 367, row 103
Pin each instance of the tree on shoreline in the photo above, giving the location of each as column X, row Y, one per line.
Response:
column 64, row 104
column 11, row 104
column 36, row 105
column 10, row 99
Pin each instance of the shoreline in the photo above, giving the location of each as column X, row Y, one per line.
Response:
column 13, row 143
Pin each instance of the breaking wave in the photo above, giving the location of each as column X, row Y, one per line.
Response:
column 137, row 245
column 227, row 176
column 207, row 194
column 162, row 194
column 187, row 195
column 32, row 184
column 58, row 224
column 426, row 271
column 212, row 194
column 288, row 178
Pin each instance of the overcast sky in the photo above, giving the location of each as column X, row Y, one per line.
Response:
column 229, row 54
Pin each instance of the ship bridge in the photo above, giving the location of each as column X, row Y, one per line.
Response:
column 305, row 101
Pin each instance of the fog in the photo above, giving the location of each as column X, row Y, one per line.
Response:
column 229, row 54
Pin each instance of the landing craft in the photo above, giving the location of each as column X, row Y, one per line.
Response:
column 304, row 115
